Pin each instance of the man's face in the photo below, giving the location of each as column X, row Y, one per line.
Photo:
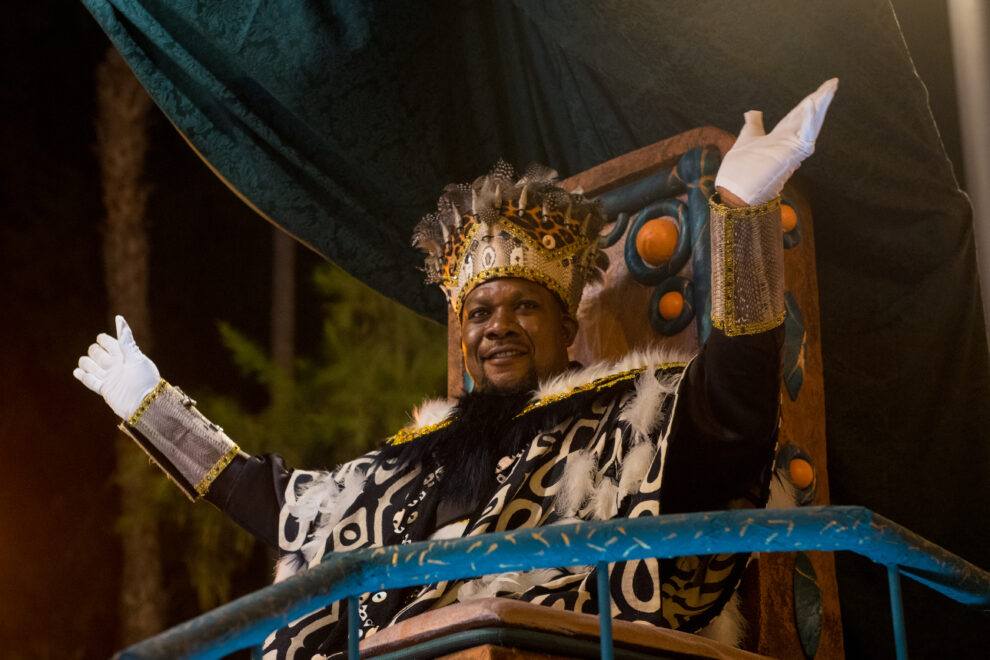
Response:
column 514, row 333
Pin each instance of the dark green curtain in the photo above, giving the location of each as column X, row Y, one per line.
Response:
column 342, row 120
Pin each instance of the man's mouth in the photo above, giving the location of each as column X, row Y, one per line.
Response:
column 504, row 354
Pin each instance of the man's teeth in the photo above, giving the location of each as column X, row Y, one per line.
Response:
column 504, row 354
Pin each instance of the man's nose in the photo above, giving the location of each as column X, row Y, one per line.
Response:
column 501, row 323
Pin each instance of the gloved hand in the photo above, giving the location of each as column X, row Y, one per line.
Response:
column 758, row 165
column 117, row 370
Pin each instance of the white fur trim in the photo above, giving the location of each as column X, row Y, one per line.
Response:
column 642, row 413
column 567, row 381
column 782, row 492
column 580, row 490
column 328, row 494
column 634, row 468
column 317, row 505
column 604, row 503
column 431, row 411
column 288, row 565
column 452, row 530
column 576, row 483
column 332, row 511
column 516, row 582
column 729, row 627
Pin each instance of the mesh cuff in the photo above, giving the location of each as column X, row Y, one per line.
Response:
column 747, row 268
column 189, row 448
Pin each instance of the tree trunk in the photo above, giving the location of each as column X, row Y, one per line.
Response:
column 283, row 319
column 122, row 141
column 283, row 300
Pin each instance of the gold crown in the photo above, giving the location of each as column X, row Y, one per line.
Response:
column 504, row 226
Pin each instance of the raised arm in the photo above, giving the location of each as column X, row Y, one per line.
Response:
column 163, row 421
column 727, row 417
column 193, row 452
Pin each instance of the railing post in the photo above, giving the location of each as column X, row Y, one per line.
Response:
column 604, row 611
column 353, row 628
column 897, row 611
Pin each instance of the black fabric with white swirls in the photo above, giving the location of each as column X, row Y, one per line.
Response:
column 715, row 444
column 398, row 506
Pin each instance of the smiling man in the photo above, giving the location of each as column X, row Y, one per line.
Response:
column 541, row 440
column 514, row 334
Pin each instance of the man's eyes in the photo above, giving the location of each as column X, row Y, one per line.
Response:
column 484, row 312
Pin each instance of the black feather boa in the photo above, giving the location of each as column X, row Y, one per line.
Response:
column 485, row 428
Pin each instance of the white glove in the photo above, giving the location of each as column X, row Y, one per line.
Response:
column 117, row 370
column 758, row 165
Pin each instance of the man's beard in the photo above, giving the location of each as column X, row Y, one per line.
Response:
column 527, row 383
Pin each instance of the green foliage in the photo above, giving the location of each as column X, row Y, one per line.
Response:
column 375, row 363
column 377, row 360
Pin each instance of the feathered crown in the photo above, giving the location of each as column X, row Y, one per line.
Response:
column 504, row 226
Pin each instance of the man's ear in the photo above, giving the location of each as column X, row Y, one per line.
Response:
column 570, row 327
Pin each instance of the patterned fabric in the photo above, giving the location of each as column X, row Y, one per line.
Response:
column 593, row 455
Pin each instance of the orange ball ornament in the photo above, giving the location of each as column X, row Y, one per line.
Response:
column 788, row 217
column 671, row 305
column 802, row 474
column 656, row 240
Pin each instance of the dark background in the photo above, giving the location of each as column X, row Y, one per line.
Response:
column 210, row 258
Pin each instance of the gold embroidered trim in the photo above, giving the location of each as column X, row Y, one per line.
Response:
column 731, row 215
column 736, row 329
column 147, row 401
column 729, row 275
column 406, row 435
column 204, row 485
column 523, row 272
column 736, row 212
column 598, row 385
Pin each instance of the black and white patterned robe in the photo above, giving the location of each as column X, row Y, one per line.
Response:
column 649, row 435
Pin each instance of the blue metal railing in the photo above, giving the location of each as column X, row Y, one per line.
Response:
column 248, row 620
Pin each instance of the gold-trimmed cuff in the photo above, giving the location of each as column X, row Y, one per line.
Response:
column 147, row 401
column 189, row 448
column 736, row 212
column 739, row 329
column 747, row 267
column 204, row 485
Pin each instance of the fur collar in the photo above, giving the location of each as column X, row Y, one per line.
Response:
column 436, row 413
